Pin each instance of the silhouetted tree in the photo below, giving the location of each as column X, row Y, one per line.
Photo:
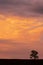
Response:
column 34, row 54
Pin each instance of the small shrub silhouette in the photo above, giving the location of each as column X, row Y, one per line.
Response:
column 34, row 54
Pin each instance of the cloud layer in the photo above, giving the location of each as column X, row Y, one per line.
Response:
column 22, row 7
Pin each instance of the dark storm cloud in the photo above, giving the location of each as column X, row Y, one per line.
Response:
column 38, row 7
column 22, row 7
column 39, row 10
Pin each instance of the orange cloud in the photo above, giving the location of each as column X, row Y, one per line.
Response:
column 22, row 29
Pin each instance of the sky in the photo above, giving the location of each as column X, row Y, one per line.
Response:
column 21, row 28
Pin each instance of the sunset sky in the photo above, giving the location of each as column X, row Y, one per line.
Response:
column 21, row 28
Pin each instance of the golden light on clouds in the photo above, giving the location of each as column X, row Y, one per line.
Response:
column 20, row 28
